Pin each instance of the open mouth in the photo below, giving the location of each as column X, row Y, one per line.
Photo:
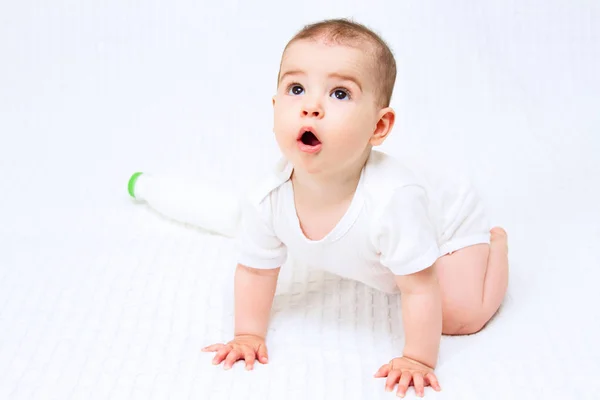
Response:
column 308, row 141
column 308, row 138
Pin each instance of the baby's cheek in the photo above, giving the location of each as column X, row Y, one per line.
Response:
column 350, row 144
column 279, row 125
column 283, row 118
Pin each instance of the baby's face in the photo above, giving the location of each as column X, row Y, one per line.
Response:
column 328, row 90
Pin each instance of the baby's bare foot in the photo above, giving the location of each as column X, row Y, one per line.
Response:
column 499, row 237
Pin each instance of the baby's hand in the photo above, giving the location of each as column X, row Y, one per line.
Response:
column 406, row 370
column 246, row 347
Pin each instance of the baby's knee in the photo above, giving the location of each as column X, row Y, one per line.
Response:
column 463, row 323
column 462, row 329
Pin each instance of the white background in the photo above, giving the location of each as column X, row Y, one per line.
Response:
column 93, row 91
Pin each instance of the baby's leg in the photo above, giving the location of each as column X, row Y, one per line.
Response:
column 473, row 282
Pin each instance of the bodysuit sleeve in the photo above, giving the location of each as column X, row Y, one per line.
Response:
column 405, row 235
column 256, row 242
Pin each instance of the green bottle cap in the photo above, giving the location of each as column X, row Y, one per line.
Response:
column 131, row 184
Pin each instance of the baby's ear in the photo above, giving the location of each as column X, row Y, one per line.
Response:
column 384, row 126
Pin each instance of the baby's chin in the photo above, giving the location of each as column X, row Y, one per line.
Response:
column 308, row 164
column 309, row 169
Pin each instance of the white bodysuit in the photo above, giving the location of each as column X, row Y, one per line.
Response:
column 397, row 224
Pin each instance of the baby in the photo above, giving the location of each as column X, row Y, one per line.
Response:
column 335, row 203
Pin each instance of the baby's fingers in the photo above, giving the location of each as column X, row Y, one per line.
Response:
column 250, row 357
column 403, row 384
column 221, row 354
column 232, row 357
column 263, row 357
column 383, row 371
column 391, row 380
column 214, row 347
column 433, row 382
column 418, row 382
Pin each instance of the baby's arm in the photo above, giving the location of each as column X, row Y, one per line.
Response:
column 407, row 241
column 254, row 290
column 421, row 315
column 260, row 254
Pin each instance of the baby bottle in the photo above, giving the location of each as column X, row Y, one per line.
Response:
column 188, row 201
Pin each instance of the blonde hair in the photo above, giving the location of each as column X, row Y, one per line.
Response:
column 346, row 32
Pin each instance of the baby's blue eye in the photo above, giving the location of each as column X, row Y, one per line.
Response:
column 295, row 90
column 341, row 94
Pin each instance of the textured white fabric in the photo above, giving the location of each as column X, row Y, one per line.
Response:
column 396, row 224
column 100, row 298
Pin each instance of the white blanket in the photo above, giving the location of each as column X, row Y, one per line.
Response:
column 101, row 298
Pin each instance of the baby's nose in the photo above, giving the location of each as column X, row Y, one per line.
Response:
column 312, row 109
